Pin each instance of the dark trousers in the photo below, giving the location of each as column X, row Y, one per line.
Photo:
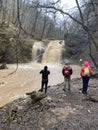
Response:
column 44, row 83
column 85, row 80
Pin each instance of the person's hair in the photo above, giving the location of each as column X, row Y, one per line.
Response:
column 45, row 67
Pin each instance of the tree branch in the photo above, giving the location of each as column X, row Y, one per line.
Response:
column 81, row 16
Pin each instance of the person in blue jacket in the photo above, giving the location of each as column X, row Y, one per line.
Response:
column 67, row 72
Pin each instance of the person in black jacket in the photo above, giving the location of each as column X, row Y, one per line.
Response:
column 45, row 72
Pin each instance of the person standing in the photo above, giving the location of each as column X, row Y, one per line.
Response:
column 85, row 73
column 67, row 72
column 45, row 72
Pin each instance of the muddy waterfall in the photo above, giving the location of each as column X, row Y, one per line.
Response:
column 48, row 52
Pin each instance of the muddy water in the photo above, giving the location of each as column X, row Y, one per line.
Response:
column 53, row 52
column 27, row 79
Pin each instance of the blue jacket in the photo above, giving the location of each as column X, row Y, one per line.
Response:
column 70, row 70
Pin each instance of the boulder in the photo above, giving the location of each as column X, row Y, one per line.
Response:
column 3, row 66
column 36, row 96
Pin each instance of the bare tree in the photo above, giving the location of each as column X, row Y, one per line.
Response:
column 32, row 18
column 81, row 21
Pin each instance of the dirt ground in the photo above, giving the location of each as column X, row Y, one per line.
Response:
column 62, row 111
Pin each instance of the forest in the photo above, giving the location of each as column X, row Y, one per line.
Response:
column 37, row 34
column 46, row 20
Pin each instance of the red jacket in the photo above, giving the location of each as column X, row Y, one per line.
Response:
column 85, row 65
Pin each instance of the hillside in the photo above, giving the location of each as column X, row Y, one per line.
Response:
column 13, row 47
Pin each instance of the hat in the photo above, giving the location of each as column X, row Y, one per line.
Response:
column 86, row 63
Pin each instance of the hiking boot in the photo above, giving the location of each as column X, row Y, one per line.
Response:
column 41, row 90
column 84, row 92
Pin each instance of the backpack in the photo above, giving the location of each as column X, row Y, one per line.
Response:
column 86, row 71
column 67, row 71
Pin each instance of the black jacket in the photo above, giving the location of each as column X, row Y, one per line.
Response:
column 45, row 74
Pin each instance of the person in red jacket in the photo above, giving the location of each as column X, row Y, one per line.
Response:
column 85, row 73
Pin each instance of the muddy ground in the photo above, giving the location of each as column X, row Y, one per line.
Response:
column 62, row 111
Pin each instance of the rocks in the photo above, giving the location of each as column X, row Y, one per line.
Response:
column 36, row 96
column 95, row 75
column 92, row 98
column 56, row 110
column 3, row 66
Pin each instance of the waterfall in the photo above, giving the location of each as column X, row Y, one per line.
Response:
column 53, row 52
column 38, row 49
column 48, row 53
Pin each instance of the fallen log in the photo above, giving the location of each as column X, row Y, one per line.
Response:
column 36, row 96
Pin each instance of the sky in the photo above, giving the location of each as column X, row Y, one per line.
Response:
column 67, row 6
column 69, row 3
